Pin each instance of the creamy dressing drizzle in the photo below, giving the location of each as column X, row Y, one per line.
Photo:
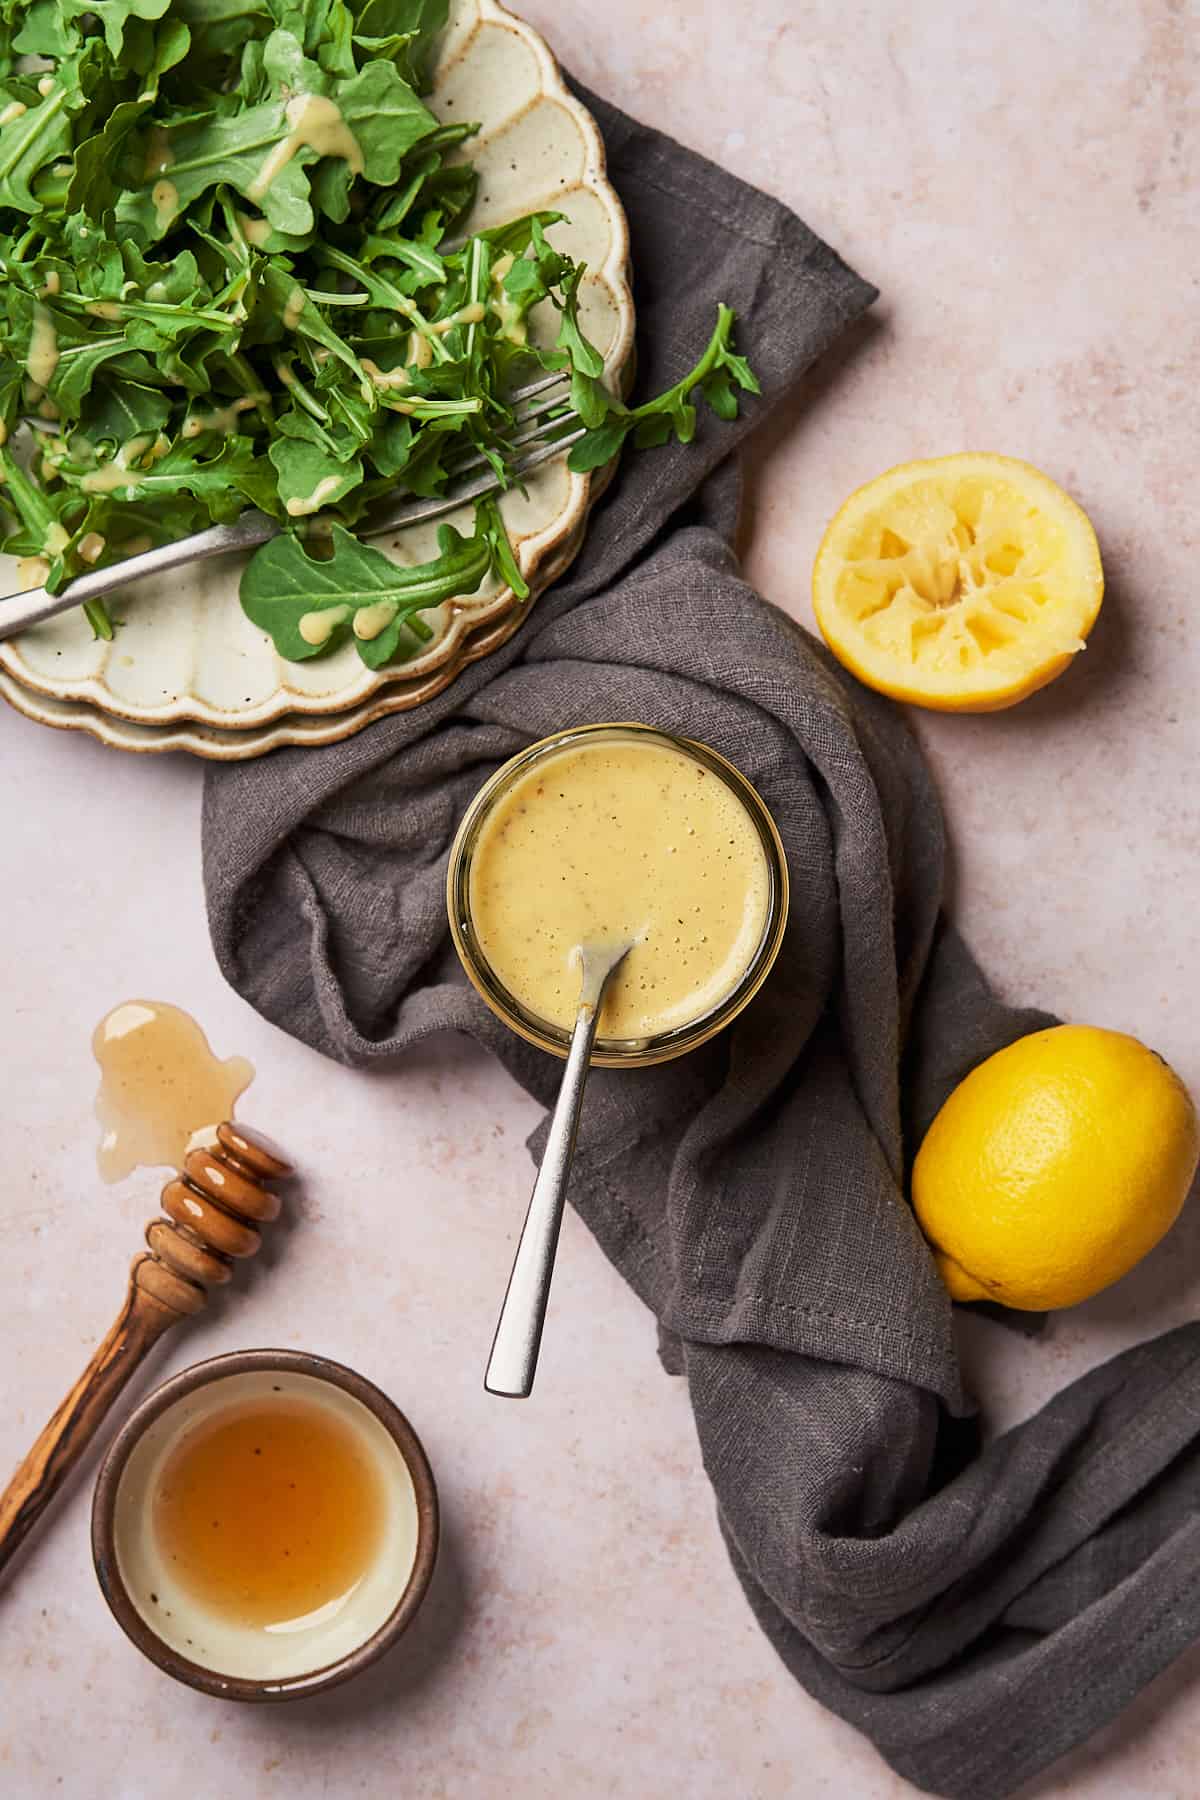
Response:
column 371, row 621
column 466, row 315
column 255, row 231
column 164, row 197
column 512, row 325
column 385, row 378
column 420, row 355
column 91, row 547
column 12, row 111
column 43, row 348
column 317, row 124
column 46, row 86
column 107, row 480
column 223, row 418
column 293, row 308
column 299, row 504
column 56, row 540
column 317, row 628
column 117, row 473
column 104, row 309
column 32, row 572
column 159, row 155
column 53, row 285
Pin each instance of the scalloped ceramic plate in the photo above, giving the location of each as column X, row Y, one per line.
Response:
column 187, row 670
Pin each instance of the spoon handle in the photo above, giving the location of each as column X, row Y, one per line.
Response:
column 513, row 1362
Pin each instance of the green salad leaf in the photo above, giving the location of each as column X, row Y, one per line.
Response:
column 236, row 274
column 310, row 605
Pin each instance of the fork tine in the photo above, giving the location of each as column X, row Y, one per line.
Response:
column 531, row 427
column 537, row 387
column 419, row 512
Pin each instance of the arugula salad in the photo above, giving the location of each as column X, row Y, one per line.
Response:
column 233, row 274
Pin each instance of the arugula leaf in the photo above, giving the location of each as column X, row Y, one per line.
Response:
column 718, row 373
column 37, row 136
column 114, row 15
column 307, row 481
column 360, row 591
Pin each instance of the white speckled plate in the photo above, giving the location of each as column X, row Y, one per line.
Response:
column 187, row 670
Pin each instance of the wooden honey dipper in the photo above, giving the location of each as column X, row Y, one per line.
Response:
column 214, row 1207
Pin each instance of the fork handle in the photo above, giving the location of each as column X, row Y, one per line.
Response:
column 19, row 611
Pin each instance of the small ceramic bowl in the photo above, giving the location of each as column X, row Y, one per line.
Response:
column 614, row 1052
column 209, row 1651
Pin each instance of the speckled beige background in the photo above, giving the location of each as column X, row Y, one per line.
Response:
column 1021, row 183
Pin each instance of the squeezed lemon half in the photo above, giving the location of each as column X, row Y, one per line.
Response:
column 963, row 583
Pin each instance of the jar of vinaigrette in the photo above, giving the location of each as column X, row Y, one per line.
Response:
column 618, row 833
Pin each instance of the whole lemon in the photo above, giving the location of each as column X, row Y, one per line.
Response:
column 1054, row 1167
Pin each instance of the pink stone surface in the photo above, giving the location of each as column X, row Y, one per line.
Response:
column 1021, row 183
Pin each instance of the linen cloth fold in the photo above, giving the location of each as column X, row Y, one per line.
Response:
column 974, row 1610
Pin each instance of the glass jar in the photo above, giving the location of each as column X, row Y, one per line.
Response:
column 614, row 1052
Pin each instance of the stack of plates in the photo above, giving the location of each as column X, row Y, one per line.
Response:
column 187, row 670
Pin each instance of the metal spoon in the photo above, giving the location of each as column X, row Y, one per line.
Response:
column 513, row 1362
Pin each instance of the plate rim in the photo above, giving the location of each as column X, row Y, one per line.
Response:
column 187, row 737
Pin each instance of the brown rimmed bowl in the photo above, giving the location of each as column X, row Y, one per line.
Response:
column 219, row 1656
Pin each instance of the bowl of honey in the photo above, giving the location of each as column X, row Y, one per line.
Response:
column 265, row 1525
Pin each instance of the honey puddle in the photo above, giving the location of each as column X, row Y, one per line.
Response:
column 161, row 1088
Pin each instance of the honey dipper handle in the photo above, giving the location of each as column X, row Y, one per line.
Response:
column 142, row 1320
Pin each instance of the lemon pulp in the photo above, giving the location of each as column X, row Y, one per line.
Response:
column 961, row 583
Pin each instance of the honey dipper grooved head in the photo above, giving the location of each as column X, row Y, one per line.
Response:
column 213, row 1207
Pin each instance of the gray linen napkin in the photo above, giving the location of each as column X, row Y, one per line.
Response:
column 975, row 1611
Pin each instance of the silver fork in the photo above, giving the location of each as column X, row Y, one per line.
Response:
column 545, row 428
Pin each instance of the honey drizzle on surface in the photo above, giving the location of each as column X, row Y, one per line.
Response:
column 161, row 1088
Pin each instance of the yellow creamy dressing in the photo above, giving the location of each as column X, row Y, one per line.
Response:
column 109, row 478
column 385, row 378
column 164, row 197
column 12, row 111
column 159, row 155
column 300, row 504
column 255, row 231
column 466, row 315
column 293, row 308
column 316, row 122
column 223, row 418
column 43, row 348
column 31, row 572
column 512, row 325
column 317, row 628
column 610, row 840
column 371, row 621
